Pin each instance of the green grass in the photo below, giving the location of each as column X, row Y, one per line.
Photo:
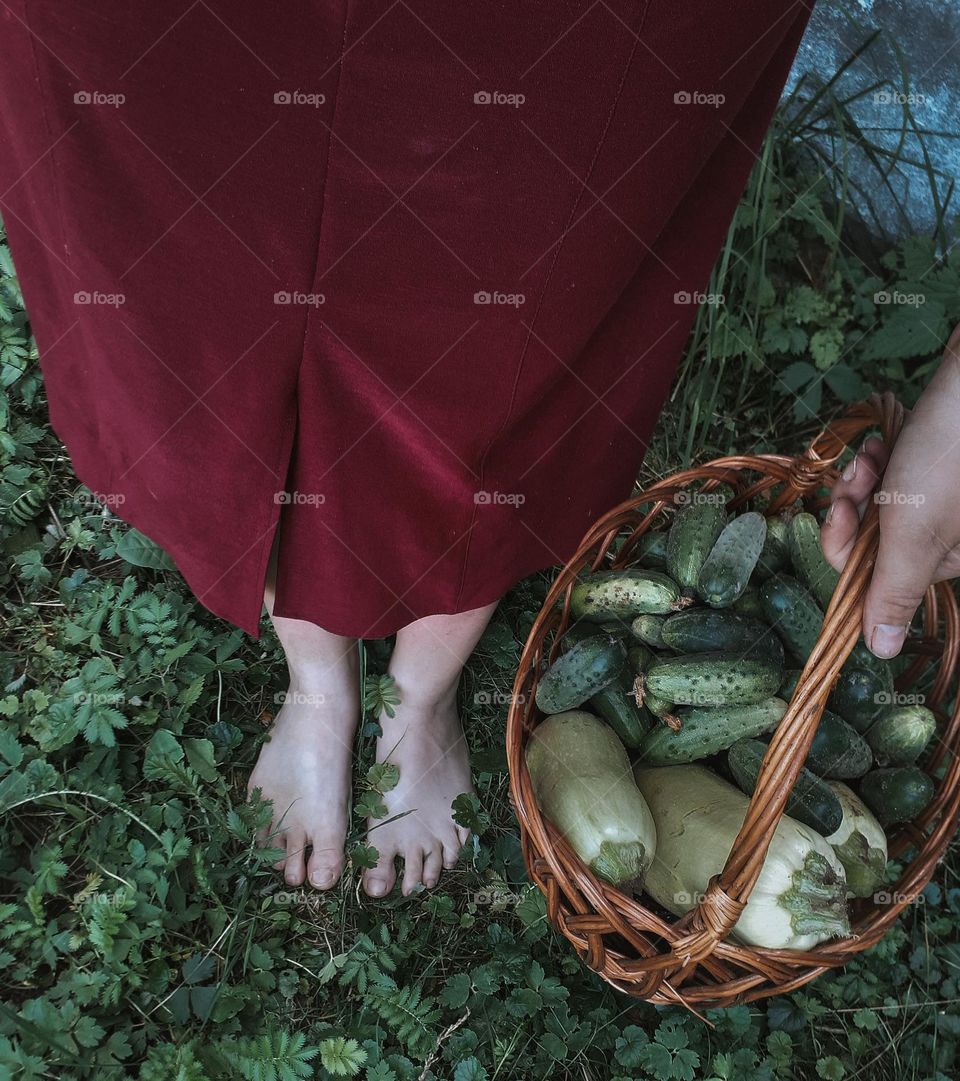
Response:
column 141, row 933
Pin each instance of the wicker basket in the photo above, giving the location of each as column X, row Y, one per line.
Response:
column 690, row 960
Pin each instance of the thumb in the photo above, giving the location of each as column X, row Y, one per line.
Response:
column 907, row 560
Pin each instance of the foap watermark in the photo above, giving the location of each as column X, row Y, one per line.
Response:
column 295, row 498
column 101, row 499
column 893, row 498
column 713, row 299
column 312, row 300
column 497, row 898
column 98, row 698
column 97, row 299
column 698, row 97
column 892, row 897
column 98, row 97
column 497, row 698
column 898, row 698
column 898, row 97
column 894, row 296
column 510, row 300
column 498, row 97
column 297, row 898
column 283, row 698
column 299, row 97
column 489, row 499
column 684, row 498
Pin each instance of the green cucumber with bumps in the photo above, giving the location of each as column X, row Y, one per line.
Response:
column 896, row 795
column 577, row 675
column 806, row 554
column 661, row 709
column 712, row 679
column 694, row 530
column 775, row 553
column 707, row 730
column 623, row 595
column 652, row 549
column 838, row 751
column 648, row 629
column 617, row 705
column 726, row 570
column 699, row 630
column 811, row 801
column 900, row 736
column 861, row 697
column 749, row 603
column 793, row 613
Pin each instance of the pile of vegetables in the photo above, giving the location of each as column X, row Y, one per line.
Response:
column 670, row 681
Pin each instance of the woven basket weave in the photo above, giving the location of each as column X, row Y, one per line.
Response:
column 689, row 960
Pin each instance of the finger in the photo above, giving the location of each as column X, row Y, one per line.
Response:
column 839, row 532
column 859, row 478
column 907, row 561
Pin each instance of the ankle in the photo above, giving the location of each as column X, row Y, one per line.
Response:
column 428, row 701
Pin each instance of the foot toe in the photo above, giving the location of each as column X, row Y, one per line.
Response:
column 325, row 867
column 451, row 850
column 412, row 870
column 432, row 866
column 379, row 880
column 294, row 869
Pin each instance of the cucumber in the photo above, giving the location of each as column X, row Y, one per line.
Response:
column 582, row 629
column 896, row 795
column 791, row 677
column 727, row 569
column 749, row 604
column 793, row 613
column 712, row 679
column 623, row 594
column 639, row 659
column 618, row 707
column 586, row 668
column 652, row 549
column 692, row 534
column 701, row 629
column 900, row 736
column 705, row 731
column 812, row 801
column 647, row 629
column 860, row 697
column 662, row 709
column 808, row 559
column 861, row 657
column 775, row 553
column 838, row 751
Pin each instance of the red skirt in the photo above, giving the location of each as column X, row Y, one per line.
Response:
column 407, row 282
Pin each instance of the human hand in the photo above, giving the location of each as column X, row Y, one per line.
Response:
column 919, row 508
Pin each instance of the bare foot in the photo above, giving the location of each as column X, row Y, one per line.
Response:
column 305, row 769
column 425, row 741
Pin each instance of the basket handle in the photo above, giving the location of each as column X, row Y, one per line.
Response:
column 728, row 892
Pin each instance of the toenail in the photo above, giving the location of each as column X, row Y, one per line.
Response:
column 375, row 887
column 429, row 883
column 322, row 878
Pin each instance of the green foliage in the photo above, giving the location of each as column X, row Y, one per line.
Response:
column 143, row 931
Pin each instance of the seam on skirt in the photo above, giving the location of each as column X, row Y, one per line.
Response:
column 286, row 458
column 543, row 293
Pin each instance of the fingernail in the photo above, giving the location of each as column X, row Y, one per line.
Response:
column 887, row 638
column 851, row 471
column 826, row 520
